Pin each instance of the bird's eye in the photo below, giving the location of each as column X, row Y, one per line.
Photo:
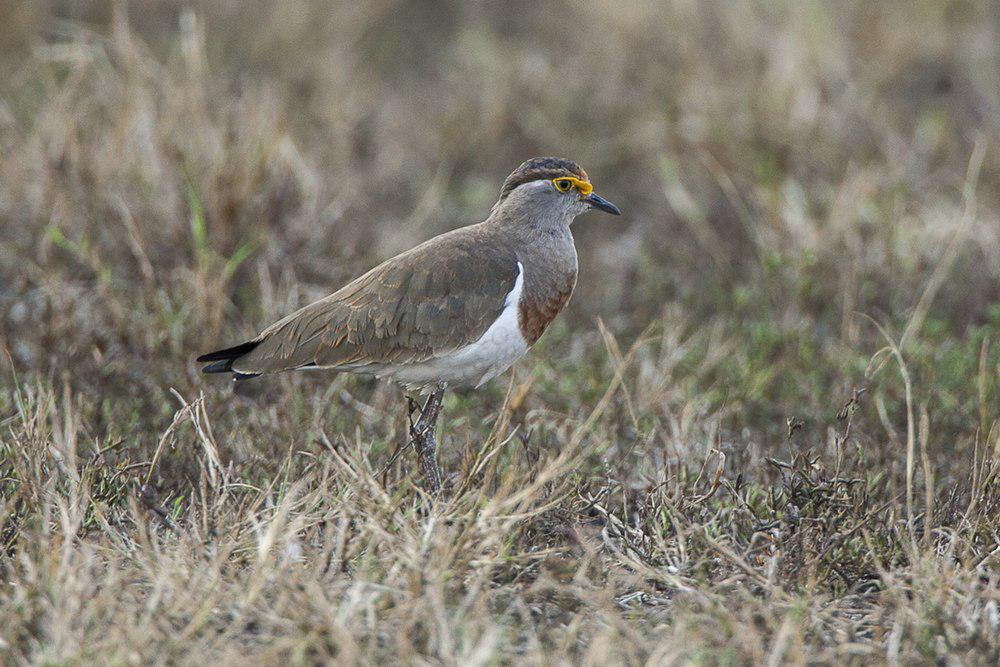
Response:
column 563, row 184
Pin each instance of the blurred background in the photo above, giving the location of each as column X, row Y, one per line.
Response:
column 175, row 175
column 807, row 187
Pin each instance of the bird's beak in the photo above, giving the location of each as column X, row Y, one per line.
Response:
column 601, row 203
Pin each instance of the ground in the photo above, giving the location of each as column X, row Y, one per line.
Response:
column 767, row 428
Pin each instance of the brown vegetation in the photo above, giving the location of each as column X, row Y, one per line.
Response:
column 766, row 430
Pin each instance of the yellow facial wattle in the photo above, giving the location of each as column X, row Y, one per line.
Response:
column 567, row 183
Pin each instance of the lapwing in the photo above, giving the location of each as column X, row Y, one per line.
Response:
column 456, row 310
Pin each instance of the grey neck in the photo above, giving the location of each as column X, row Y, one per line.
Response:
column 546, row 231
column 543, row 244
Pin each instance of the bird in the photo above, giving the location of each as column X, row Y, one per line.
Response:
column 454, row 311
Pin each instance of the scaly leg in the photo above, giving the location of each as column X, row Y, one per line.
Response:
column 422, row 436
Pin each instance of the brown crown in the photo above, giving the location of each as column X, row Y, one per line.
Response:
column 541, row 168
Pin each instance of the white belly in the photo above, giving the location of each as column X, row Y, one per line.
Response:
column 494, row 352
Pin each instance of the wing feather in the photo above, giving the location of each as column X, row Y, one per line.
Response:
column 440, row 296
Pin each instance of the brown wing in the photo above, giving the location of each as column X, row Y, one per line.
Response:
column 438, row 297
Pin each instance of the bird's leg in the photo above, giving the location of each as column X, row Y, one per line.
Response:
column 422, row 435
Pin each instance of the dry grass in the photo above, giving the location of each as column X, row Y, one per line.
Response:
column 766, row 431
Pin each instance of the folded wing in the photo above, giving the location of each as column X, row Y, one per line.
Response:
column 429, row 301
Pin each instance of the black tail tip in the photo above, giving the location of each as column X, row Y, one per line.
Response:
column 222, row 360
column 223, row 366
column 229, row 353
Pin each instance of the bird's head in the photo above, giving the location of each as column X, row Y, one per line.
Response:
column 549, row 189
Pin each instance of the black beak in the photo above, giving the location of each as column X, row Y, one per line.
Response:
column 602, row 204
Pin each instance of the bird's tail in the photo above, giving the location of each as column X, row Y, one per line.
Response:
column 222, row 360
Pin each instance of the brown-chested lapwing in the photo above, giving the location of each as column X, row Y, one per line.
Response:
column 456, row 310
